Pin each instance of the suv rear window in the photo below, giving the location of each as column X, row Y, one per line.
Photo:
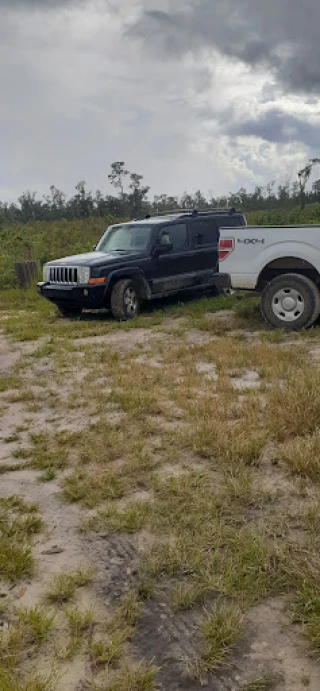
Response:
column 204, row 232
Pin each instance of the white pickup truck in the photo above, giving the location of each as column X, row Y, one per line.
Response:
column 282, row 264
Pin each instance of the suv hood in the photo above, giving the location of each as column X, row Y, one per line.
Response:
column 96, row 259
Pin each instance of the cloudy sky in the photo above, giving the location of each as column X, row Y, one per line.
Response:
column 210, row 94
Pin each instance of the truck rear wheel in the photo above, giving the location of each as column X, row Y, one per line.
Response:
column 290, row 301
column 125, row 301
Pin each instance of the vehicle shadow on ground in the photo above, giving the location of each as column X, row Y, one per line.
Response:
column 162, row 305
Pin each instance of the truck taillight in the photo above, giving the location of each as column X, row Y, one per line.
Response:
column 225, row 248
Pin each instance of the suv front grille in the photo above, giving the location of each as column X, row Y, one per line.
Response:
column 63, row 274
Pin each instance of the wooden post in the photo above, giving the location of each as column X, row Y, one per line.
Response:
column 26, row 273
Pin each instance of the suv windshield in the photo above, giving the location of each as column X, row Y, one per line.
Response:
column 126, row 238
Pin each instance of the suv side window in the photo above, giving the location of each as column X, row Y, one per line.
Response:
column 176, row 234
column 204, row 232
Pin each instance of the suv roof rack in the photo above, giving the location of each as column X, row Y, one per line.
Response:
column 192, row 212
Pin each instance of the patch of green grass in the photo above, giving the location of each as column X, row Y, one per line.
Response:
column 109, row 650
column 78, row 622
column 91, row 489
column 16, row 560
column 254, row 566
column 137, row 403
column 48, row 475
column 307, row 612
column 12, row 642
column 9, row 382
column 50, row 452
column 185, row 594
column 136, row 677
column 214, row 326
column 293, row 406
column 64, row 585
column 248, row 314
column 8, row 468
column 276, row 336
column 221, row 629
column 266, row 682
column 131, row 519
column 19, row 521
column 9, row 682
column 21, row 453
column 19, row 643
column 80, row 625
column 130, row 608
column 208, row 438
column 302, row 455
column 37, row 621
column 12, row 438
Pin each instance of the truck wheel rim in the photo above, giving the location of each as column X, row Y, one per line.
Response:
column 288, row 304
column 130, row 301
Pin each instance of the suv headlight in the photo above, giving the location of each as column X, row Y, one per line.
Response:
column 83, row 274
column 46, row 274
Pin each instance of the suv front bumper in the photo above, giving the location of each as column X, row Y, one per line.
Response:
column 88, row 297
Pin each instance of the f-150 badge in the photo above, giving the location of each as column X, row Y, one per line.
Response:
column 251, row 241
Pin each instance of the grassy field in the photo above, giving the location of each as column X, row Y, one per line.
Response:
column 43, row 241
column 159, row 515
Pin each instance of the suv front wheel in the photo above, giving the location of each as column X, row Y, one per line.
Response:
column 125, row 301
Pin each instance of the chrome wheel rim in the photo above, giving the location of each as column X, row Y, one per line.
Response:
column 288, row 305
column 130, row 301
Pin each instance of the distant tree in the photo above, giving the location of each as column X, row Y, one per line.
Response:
column 137, row 196
column 30, row 207
column 316, row 188
column 81, row 205
column 304, row 176
column 134, row 202
column 117, row 176
column 56, row 202
column 239, row 199
column 284, row 194
column 163, row 203
column 187, row 201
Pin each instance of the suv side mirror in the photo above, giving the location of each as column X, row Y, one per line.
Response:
column 94, row 247
column 162, row 249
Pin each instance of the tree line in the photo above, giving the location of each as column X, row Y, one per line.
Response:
column 131, row 200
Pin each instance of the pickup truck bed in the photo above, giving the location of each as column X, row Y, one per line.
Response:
column 282, row 264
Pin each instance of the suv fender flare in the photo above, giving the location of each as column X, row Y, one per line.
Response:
column 136, row 274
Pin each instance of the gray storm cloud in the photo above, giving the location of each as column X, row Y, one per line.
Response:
column 37, row 4
column 280, row 36
column 277, row 126
column 79, row 89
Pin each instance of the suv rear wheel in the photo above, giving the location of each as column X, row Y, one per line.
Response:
column 125, row 301
column 290, row 301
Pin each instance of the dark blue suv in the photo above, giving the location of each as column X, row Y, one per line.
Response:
column 142, row 260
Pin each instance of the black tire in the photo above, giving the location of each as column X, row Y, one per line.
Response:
column 69, row 312
column 215, row 291
column 291, row 302
column 125, row 303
